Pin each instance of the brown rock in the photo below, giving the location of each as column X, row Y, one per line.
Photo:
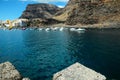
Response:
column 25, row 79
column 90, row 11
column 8, row 72
column 40, row 10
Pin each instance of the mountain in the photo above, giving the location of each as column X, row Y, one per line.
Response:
column 41, row 10
column 40, row 14
column 83, row 12
column 90, row 12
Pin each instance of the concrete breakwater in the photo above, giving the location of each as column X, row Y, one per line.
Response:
column 74, row 72
column 78, row 71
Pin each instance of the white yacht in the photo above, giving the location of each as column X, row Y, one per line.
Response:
column 80, row 29
column 55, row 28
column 39, row 29
column 61, row 29
column 72, row 29
column 47, row 29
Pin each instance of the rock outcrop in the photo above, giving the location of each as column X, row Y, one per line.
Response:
column 38, row 22
column 41, row 10
column 40, row 14
column 90, row 11
column 8, row 72
column 78, row 72
column 83, row 12
column 25, row 79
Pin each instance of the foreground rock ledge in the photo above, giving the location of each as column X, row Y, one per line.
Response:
column 78, row 72
column 8, row 72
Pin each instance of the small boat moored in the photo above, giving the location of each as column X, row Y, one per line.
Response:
column 55, row 28
column 61, row 29
column 80, row 29
column 47, row 29
column 72, row 29
column 40, row 29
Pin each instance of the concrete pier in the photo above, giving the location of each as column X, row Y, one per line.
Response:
column 78, row 72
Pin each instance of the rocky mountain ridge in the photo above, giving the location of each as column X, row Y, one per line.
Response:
column 40, row 10
column 76, row 12
column 40, row 14
column 91, row 11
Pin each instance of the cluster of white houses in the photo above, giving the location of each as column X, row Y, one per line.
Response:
column 14, row 23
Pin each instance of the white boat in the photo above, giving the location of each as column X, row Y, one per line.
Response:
column 7, row 25
column 55, row 28
column 47, row 29
column 61, row 29
column 40, row 29
column 80, row 29
column 72, row 29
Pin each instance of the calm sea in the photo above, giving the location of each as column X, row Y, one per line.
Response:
column 39, row 54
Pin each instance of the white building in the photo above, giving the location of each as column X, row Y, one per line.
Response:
column 20, row 22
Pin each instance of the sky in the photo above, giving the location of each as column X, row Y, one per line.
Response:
column 12, row 9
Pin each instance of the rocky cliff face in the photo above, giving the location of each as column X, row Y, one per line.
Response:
column 41, row 10
column 75, row 12
column 40, row 14
column 90, row 11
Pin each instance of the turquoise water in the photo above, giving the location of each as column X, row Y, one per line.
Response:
column 40, row 54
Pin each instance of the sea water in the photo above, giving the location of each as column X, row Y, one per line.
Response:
column 38, row 54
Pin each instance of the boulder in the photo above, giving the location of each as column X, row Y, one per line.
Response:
column 78, row 72
column 25, row 79
column 8, row 72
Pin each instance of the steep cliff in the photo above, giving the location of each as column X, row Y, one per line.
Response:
column 75, row 12
column 90, row 12
column 40, row 10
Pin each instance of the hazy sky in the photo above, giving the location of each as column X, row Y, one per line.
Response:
column 12, row 9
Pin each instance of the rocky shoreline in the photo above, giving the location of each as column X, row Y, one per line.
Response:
column 8, row 72
column 90, row 26
column 76, row 71
column 100, row 26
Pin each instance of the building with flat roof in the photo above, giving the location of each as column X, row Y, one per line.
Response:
column 20, row 22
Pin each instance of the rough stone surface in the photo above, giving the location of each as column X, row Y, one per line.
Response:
column 25, row 79
column 94, row 11
column 40, row 10
column 90, row 11
column 8, row 72
column 76, row 12
column 78, row 72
